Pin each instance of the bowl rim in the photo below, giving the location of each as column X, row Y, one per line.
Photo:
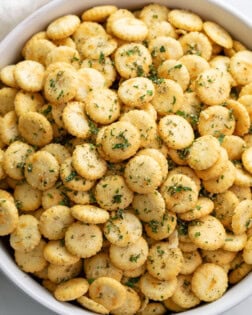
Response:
column 235, row 294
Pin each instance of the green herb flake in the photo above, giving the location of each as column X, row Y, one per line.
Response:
column 177, row 189
column 102, row 58
column 196, row 234
column 71, row 176
column 134, row 258
column 131, row 282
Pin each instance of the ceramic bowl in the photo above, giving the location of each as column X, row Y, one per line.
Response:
column 10, row 47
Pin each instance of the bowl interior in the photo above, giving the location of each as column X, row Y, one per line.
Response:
column 12, row 44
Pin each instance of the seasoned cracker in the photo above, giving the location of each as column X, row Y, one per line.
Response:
column 224, row 207
column 88, row 163
column 9, row 130
column 7, row 97
column 123, row 230
column 192, row 260
column 8, row 216
column 29, row 75
column 235, row 243
column 184, row 296
column 28, row 102
column 100, row 265
column 129, row 29
column 216, row 120
column 102, row 106
column 63, row 27
column 108, row 292
column 92, row 305
column 247, row 251
column 157, row 290
column 241, row 219
column 176, row 132
column 212, row 87
column 176, row 71
column 200, row 233
column 89, row 214
column 144, row 123
column 153, row 12
column 75, row 120
column 7, row 76
column 27, row 197
column 61, row 85
column 35, row 129
column 131, row 303
column 143, row 174
column 112, row 193
column 54, row 222
column 98, row 13
column 120, row 141
column 185, row 20
column 196, row 43
column 163, row 48
column 209, row 282
column 44, row 164
column 168, row 97
column 161, row 28
column 132, row 60
column 129, row 257
column 234, row 146
column 180, row 193
column 55, row 252
column 149, row 207
column 15, row 157
column 32, row 261
column 38, row 49
column 203, row 153
column 160, row 258
column 71, row 289
column 97, row 46
column 58, row 274
column 26, row 236
column 218, row 34
column 136, row 92
column 83, row 240
column 246, row 159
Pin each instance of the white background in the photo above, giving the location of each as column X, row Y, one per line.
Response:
column 12, row 300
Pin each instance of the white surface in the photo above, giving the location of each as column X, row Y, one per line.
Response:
column 12, row 300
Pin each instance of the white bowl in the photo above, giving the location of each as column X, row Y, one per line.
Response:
column 225, row 15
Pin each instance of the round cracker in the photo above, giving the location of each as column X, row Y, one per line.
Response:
column 87, row 162
column 8, row 216
column 209, row 282
column 44, row 164
column 26, row 236
column 63, row 27
column 83, row 240
column 54, row 222
column 207, row 233
column 71, row 289
column 112, row 193
column 35, row 129
column 89, row 214
column 108, row 292
column 157, row 290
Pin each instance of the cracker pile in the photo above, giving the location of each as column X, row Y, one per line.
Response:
column 126, row 159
